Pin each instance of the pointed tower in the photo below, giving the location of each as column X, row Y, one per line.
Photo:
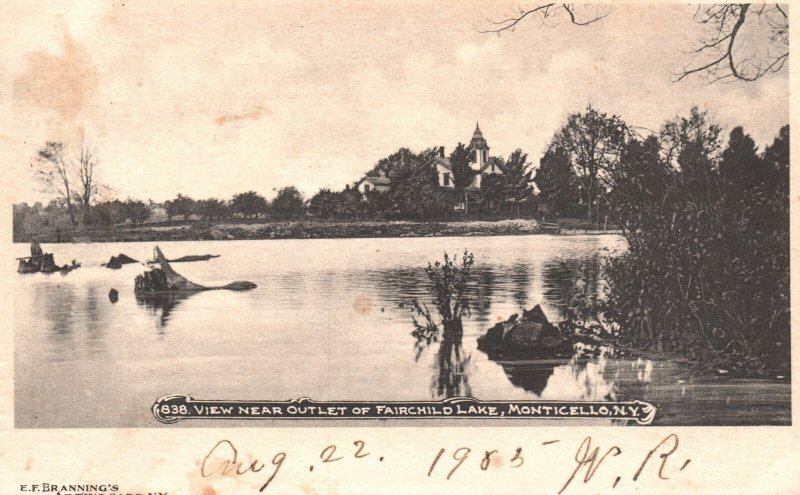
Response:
column 478, row 148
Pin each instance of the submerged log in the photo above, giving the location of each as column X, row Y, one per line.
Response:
column 530, row 336
column 164, row 278
column 194, row 257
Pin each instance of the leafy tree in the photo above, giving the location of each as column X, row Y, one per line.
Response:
column 288, row 202
column 741, row 168
column 136, row 211
column 212, row 208
column 401, row 164
column 694, row 243
column 776, row 159
column 517, row 179
column 493, row 190
column 557, row 182
column 463, row 173
column 249, row 204
column 323, row 204
column 692, row 146
column 180, row 206
column 330, row 204
column 640, row 183
column 380, row 205
column 109, row 212
column 419, row 196
column 593, row 142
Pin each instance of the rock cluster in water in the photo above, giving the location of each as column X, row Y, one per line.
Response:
column 116, row 262
column 531, row 336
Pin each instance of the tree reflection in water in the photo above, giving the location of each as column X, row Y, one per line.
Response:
column 161, row 304
column 568, row 278
column 450, row 379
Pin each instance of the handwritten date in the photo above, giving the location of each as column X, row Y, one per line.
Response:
column 224, row 460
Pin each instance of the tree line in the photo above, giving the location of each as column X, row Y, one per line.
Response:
column 414, row 194
column 250, row 205
column 573, row 179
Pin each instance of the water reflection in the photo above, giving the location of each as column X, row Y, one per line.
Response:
column 520, row 277
column 532, row 376
column 300, row 335
column 56, row 303
column 567, row 278
column 450, row 378
column 162, row 304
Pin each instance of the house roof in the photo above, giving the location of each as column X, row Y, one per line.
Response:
column 378, row 181
column 444, row 162
column 489, row 164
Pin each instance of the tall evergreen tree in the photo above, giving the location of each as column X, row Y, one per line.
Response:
column 557, row 183
column 741, row 168
column 463, row 173
column 518, row 179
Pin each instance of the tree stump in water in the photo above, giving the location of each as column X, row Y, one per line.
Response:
column 166, row 279
column 154, row 280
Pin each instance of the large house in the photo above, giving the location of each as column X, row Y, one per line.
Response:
column 481, row 162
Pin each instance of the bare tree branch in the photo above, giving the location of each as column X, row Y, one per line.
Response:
column 543, row 13
column 742, row 42
column 738, row 56
column 71, row 182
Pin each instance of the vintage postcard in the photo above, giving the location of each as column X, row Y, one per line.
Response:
column 381, row 247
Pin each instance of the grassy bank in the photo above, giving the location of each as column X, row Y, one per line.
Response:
column 194, row 231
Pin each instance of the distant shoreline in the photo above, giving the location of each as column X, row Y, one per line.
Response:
column 296, row 230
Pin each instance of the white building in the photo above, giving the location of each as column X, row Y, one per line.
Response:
column 480, row 162
column 379, row 184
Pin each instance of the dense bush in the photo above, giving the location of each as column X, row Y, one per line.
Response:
column 707, row 270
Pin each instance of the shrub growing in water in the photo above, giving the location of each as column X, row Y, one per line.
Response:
column 448, row 290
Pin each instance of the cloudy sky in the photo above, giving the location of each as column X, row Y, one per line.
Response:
column 210, row 101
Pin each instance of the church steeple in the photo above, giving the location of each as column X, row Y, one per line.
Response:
column 478, row 142
column 478, row 147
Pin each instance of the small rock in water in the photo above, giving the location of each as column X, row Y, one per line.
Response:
column 113, row 295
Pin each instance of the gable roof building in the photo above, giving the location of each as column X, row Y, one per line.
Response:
column 480, row 161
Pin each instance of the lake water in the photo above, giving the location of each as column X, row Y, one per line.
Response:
column 330, row 320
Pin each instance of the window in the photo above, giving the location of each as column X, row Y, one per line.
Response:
column 446, row 179
column 366, row 187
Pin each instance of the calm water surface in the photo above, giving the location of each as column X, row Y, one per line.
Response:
column 330, row 320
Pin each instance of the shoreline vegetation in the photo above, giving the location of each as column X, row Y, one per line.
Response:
column 304, row 229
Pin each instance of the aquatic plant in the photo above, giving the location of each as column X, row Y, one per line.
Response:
column 448, row 283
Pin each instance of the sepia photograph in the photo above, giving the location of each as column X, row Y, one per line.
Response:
column 398, row 214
